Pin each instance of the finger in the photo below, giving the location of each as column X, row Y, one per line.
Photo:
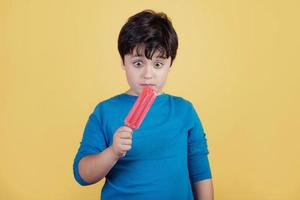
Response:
column 126, row 135
column 122, row 152
column 126, row 147
column 126, row 142
column 125, row 128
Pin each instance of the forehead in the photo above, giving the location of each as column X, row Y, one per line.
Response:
column 139, row 52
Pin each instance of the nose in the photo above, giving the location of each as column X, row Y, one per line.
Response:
column 147, row 72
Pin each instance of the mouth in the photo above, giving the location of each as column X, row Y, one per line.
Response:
column 147, row 84
column 153, row 86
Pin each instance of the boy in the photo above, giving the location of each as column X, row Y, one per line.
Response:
column 166, row 157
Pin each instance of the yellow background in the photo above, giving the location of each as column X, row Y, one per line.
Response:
column 238, row 62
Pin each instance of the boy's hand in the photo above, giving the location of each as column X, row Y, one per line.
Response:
column 122, row 141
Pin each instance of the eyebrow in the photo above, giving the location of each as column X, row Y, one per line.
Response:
column 139, row 56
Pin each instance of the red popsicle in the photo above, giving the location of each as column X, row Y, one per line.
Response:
column 140, row 108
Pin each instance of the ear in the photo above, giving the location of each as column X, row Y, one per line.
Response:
column 122, row 65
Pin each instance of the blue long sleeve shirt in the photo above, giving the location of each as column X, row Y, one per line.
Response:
column 169, row 151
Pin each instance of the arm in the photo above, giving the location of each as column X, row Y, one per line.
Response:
column 93, row 168
column 203, row 190
column 199, row 167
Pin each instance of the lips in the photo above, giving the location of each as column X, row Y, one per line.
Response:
column 153, row 86
column 148, row 84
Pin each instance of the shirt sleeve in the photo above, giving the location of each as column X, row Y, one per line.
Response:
column 92, row 142
column 198, row 163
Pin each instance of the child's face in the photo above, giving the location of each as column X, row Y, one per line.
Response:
column 141, row 71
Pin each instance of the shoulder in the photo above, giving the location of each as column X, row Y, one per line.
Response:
column 185, row 104
column 182, row 101
column 107, row 103
column 184, row 107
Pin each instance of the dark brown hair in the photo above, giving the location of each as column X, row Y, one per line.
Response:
column 151, row 30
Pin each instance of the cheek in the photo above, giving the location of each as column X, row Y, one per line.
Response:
column 132, row 75
column 163, row 75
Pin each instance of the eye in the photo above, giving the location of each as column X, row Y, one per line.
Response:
column 137, row 64
column 158, row 65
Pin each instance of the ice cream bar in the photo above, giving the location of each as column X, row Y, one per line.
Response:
column 140, row 108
